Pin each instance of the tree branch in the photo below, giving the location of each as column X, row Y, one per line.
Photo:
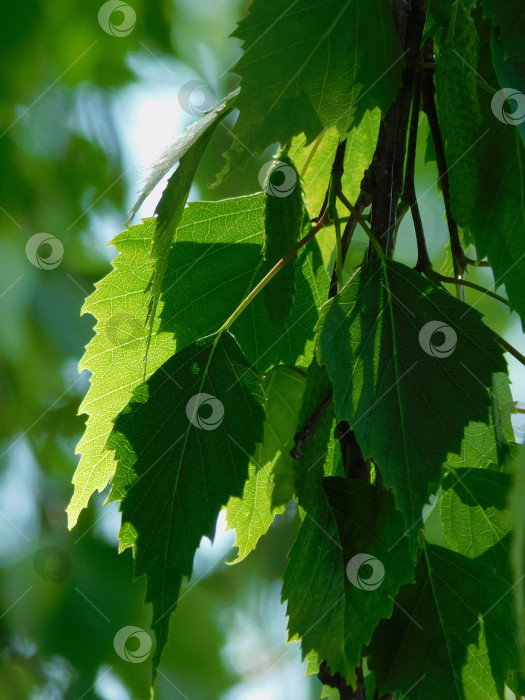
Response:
column 429, row 107
column 389, row 155
column 409, row 188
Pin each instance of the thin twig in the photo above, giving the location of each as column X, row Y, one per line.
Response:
column 409, row 188
column 301, row 438
column 510, row 348
column 464, row 283
column 429, row 107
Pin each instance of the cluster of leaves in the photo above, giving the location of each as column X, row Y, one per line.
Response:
column 382, row 403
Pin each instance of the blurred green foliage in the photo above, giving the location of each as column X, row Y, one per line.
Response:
column 63, row 595
column 65, row 171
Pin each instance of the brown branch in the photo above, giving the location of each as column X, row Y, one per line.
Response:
column 389, row 155
column 409, row 188
column 301, row 438
column 429, row 107
column 512, row 350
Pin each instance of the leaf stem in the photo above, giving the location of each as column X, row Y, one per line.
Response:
column 360, row 219
column 336, row 177
column 512, row 350
column 409, row 188
column 433, row 275
column 312, row 152
column 275, row 269
column 429, row 107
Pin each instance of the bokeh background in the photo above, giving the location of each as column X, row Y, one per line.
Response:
column 83, row 113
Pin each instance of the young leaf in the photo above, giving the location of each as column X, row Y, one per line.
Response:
column 178, row 464
column 216, row 259
column 252, row 515
column 302, row 71
column 181, row 145
column 332, row 615
column 115, row 357
column 410, row 365
column 452, row 634
column 170, row 207
column 314, row 161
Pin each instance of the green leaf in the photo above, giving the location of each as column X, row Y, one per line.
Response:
column 216, row 259
column 252, row 515
column 312, row 450
column 487, row 444
column 302, row 70
column 331, row 615
column 452, row 634
column 314, row 161
column 408, row 405
column 181, row 145
column 517, row 515
column 498, row 223
column 459, row 113
column 474, row 515
column 510, row 71
column 510, row 18
column 115, row 357
column 169, row 210
column 178, row 464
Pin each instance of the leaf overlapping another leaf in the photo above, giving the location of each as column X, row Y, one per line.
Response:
column 332, row 616
column 252, row 515
column 215, row 260
column 302, row 70
column 177, row 467
column 115, row 357
column 452, row 634
column 408, row 406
